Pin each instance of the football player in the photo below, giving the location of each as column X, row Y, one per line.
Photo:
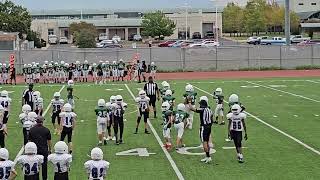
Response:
column 85, row 71
column 97, row 168
column 5, row 73
column 143, row 106
column 5, row 101
column 24, row 71
column 102, row 121
column 114, row 68
column 100, row 72
column 169, row 98
column 23, row 118
column 110, row 106
column 219, row 113
column 121, row 66
column 38, row 103
column 153, row 70
column 7, row 166
column 94, row 73
column 119, row 109
column 68, row 123
column 57, row 104
column 30, row 162
column 167, row 116
column 107, row 69
column 3, row 128
column 70, row 95
column 29, row 74
column 190, row 97
column 61, row 161
column 79, row 71
column 234, row 99
column 51, row 73
column 235, row 128
column 180, row 117
column 165, row 86
column 44, row 73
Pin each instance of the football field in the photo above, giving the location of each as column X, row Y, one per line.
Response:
column 283, row 123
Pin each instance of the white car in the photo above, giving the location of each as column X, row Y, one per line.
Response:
column 102, row 37
column 116, row 38
column 205, row 44
column 53, row 39
column 104, row 42
column 63, row 40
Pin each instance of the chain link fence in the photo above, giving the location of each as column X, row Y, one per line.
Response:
column 182, row 59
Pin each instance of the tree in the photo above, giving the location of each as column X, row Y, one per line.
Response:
column 233, row 18
column 255, row 16
column 84, row 34
column 33, row 36
column 294, row 23
column 14, row 18
column 157, row 24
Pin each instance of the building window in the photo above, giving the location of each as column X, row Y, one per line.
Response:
column 300, row 4
column 50, row 32
column 313, row 4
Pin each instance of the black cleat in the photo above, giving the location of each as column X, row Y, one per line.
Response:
column 117, row 143
column 121, row 141
column 99, row 144
column 146, row 132
column 215, row 122
column 136, row 132
column 105, row 142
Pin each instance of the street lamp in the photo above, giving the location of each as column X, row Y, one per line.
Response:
column 186, row 6
column 216, row 22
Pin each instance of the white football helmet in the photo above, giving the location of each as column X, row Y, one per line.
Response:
column 30, row 148
column 56, row 95
column 114, row 62
column 4, row 154
column 236, row 109
column 121, row 60
column 101, row 103
column 86, row 62
column 181, row 107
column 152, row 63
column 4, row 93
column 119, row 99
column 77, row 62
column 32, row 116
column 33, row 63
column 165, row 106
column 218, row 91
column 189, row 88
column 204, row 98
column 46, row 62
column 96, row 154
column 168, row 93
column 100, row 62
column 25, row 65
column 94, row 64
column 233, row 98
column 70, row 83
column 62, row 62
column 56, row 64
column 26, row 108
column 37, row 94
column 4, row 64
column 29, row 65
column 113, row 99
column 61, row 147
column 107, row 62
column 67, row 107
column 142, row 94
column 163, row 83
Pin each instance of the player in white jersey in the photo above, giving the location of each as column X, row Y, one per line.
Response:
column 5, row 101
column 143, row 107
column 236, row 126
column 30, row 162
column 28, row 123
column 23, row 118
column 6, row 166
column 37, row 103
column 61, row 161
column 97, row 168
column 68, row 123
column 3, row 128
column 57, row 104
column 110, row 111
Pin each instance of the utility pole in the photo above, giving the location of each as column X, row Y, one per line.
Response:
column 287, row 22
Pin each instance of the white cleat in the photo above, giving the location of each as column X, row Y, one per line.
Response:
column 208, row 160
column 204, row 159
column 114, row 138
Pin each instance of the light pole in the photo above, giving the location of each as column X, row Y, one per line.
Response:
column 186, row 6
column 287, row 22
column 216, row 21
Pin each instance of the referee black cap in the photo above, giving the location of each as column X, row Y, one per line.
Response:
column 40, row 119
column 203, row 104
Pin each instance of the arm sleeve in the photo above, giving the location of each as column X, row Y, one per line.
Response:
column 199, row 110
column 145, row 87
column 157, row 87
column 48, row 135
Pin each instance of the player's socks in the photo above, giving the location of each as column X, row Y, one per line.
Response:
column 136, row 132
column 100, row 143
column 146, row 131
column 105, row 141
column 207, row 154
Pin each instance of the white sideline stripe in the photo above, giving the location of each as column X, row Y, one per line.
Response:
column 285, row 92
column 45, row 112
column 317, row 82
column 173, row 164
column 272, row 127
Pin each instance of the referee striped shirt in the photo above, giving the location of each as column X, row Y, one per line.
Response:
column 206, row 116
column 28, row 96
column 151, row 88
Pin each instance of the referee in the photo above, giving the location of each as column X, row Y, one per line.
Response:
column 206, row 120
column 27, row 96
column 41, row 136
column 152, row 91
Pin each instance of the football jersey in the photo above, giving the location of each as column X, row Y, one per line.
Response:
column 170, row 100
column 29, row 70
column 28, row 124
column 86, row 67
column 180, row 116
column 114, row 67
column 57, row 105
column 97, row 169
column 236, row 121
column 143, row 103
column 166, row 115
column 23, row 117
column 121, row 66
column 38, row 103
column 6, row 167
column 191, row 95
column 30, row 163
column 218, row 98
column 5, row 102
column 67, row 118
column 70, row 92
column 153, row 67
column 61, row 162
column 118, row 110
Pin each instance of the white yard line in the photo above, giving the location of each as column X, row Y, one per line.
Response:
column 45, row 112
column 272, row 127
column 285, row 92
column 172, row 163
column 316, row 82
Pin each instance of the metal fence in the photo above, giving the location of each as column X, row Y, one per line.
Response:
column 184, row 59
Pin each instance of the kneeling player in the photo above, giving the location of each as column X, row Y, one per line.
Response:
column 218, row 96
column 61, row 161
column 167, row 124
column 30, row 162
column 236, row 126
column 97, row 168
column 68, row 123
column 102, row 121
column 143, row 106
column 180, row 123
column 7, row 165
column 57, row 104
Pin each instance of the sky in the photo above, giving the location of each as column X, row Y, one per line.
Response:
column 117, row 4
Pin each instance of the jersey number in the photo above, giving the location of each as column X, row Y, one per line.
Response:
column 5, row 172
column 95, row 173
column 179, row 117
column 28, row 168
column 69, row 120
column 4, row 104
column 237, row 125
column 102, row 114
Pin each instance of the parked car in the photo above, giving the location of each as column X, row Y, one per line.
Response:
column 205, row 44
column 103, row 36
column 53, row 39
column 298, row 39
column 176, row 44
column 137, row 37
column 254, row 40
column 209, row 35
column 273, row 41
column 166, row 43
column 104, row 42
column 63, row 40
column 309, row 42
column 116, row 38
column 196, row 35
column 112, row 46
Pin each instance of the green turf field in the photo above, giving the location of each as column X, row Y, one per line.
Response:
column 283, row 130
